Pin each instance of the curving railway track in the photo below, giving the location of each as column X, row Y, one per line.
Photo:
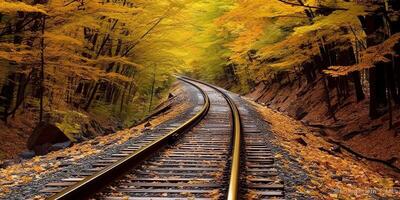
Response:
column 219, row 153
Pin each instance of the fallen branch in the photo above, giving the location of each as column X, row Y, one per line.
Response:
column 386, row 163
column 352, row 134
column 161, row 109
column 323, row 126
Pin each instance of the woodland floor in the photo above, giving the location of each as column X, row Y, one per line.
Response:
column 19, row 178
column 15, row 135
column 353, row 128
column 16, row 132
column 333, row 174
column 310, row 165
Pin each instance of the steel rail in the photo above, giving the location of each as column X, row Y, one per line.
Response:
column 233, row 190
column 235, row 165
column 89, row 185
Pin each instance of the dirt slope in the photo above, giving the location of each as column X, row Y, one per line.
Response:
column 333, row 173
column 353, row 128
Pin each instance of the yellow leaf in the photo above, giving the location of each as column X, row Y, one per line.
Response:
column 334, row 195
column 38, row 168
column 278, row 155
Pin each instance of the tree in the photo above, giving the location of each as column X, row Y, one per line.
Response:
column 269, row 39
column 94, row 53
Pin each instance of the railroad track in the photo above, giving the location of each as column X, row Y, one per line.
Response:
column 218, row 154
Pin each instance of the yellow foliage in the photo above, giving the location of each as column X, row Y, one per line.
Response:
column 57, row 38
column 334, row 21
column 261, row 37
column 117, row 59
column 369, row 57
column 12, row 7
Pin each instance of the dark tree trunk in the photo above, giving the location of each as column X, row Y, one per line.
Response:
column 42, row 69
column 108, row 93
column 7, row 92
column 389, row 96
column 111, row 94
column 105, row 40
column 338, row 91
column 152, row 90
column 23, row 79
column 374, row 27
column 115, row 95
column 79, row 89
column 86, row 89
column 309, row 74
column 92, row 95
column 373, row 102
column 396, row 64
column 357, row 85
column 391, row 78
column 328, row 99
column 23, row 83
column 380, row 84
column 68, row 93
column 7, row 95
column 123, row 98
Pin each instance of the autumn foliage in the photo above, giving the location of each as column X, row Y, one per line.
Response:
column 116, row 58
column 106, row 57
column 282, row 41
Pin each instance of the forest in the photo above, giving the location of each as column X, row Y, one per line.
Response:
column 92, row 67
column 84, row 62
column 308, row 103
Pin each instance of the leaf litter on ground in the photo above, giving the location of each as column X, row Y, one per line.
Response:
column 35, row 168
column 333, row 176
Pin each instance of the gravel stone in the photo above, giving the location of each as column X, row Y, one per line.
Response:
column 292, row 176
column 31, row 189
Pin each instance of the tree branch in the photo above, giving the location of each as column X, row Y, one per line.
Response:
column 5, row 29
column 146, row 33
column 358, row 40
column 106, row 39
column 308, row 6
column 69, row 3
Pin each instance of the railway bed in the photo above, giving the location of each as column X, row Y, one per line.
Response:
column 218, row 154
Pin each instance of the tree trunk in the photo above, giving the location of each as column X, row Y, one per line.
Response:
column 380, row 84
column 115, row 95
column 391, row 78
column 308, row 73
column 357, row 85
column 123, row 98
column 389, row 96
column 328, row 99
column 42, row 69
column 86, row 89
column 373, row 25
column 373, row 102
column 23, row 83
column 152, row 90
column 397, row 75
column 7, row 95
column 92, row 95
column 338, row 91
